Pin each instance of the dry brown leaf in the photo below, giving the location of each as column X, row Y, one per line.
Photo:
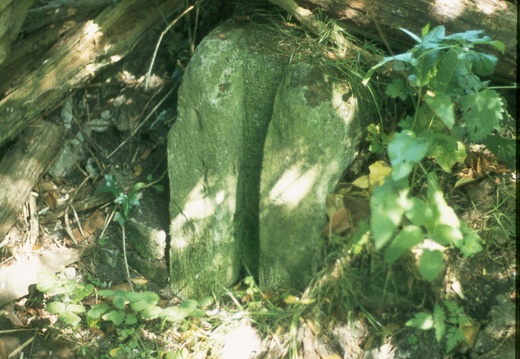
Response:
column 339, row 222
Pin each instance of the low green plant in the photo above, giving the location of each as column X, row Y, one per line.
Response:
column 451, row 107
column 448, row 322
column 67, row 295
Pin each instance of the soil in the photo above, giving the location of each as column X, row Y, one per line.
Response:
column 362, row 312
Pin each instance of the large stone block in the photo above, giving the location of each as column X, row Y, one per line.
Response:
column 215, row 154
column 312, row 138
column 237, row 205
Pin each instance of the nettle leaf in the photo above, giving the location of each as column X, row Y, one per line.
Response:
column 442, row 105
column 447, row 151
column 483, row 64
column 407, row 238
column 404, row 152
column 435, row 36
column 472, row 241
column 503, row 148
column 439, row 324
column 115, row 316
column 387, row 205
column 449, row 70
column 468, row 36
column 422, row 320
column 142, row 301
column 481, row 113
column 430, row 264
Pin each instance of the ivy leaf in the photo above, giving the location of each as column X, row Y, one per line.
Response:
column 407, row 238
column 481, row 113
column 442, row 105
column 387, row 205
column 430, row 264
column 438, row 322
column 404, row 152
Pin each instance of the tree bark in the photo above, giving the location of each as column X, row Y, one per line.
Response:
column 79, row 57
column 21, row 168
column 379, row 20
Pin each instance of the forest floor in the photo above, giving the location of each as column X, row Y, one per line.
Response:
column 357, row 307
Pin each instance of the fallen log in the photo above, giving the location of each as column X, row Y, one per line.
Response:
column 21, row 168
column 379, row 20
column 69, row 64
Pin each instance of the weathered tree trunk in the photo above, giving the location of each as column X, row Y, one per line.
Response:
column 379, row 20
column 93, row 46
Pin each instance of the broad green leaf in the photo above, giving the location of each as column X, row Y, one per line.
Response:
column 404, row 152
column 151, row 312
column 138, row 186
column 144, row 300
column 69, row 318
column 439, row 322
column 499, row 45
column 442, row 213
column 173, row 314
column 430, row 264
column 449, row 70
column 119, row 300
column 396, row 89
column 387, row 205
column 468, row 36
column 447, row 151
column 98, row 310
column 189, row 304
column 442, row 105
column 107, row 293
column 446, row 235
column 481, row 113
column 55, row 307
column 419, row 213
column 407, row 238
column 49, row 283
column 407, row 57
column 76, row 308
column 435, row 35
column 422, row 320
column 503, row 148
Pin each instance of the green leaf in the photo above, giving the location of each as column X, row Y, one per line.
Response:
column 97, row 310
column 472, row 241
column 130, row 319
column 454, row 337
column 447, row 151
column 422, row 320
column 107, row 293
column 442, row 105
column 76, row 308
column 56, row 307
column 411, row 34
column 151, row 312
column 499, row 45
column 430, row 264
column 387, row 205
column 406, row 58
column 49, row 283
column 396, row 89
column 483, row 64
column 442, row 213
column 425, row 30
column 70, row 318
column 447, row 235
column 450, row 70
column 435, row 36
column 469, row 36
column 142, row 301
column 481, row 113
column 438, row 322
column 407, row 238
column 189, row 304
column 404, row 152
column 419, row 213
column 503, row 148
column 173, row 314
column 119, row 300
column 115, row 316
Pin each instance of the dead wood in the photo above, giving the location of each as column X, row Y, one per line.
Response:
column 379, row 20
column 21, row 168
column 70, row 63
